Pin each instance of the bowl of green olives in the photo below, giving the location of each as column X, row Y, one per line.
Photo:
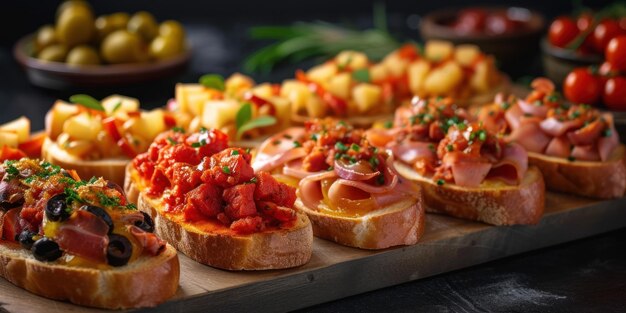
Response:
column 82, row 50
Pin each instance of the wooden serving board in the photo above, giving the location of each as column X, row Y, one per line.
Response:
column 335, row 271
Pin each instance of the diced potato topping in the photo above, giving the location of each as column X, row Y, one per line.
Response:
column 315, row 107
column 484, row 75
column 339, row 85
column 352, row 59
column 366, row 96
column 444, row 79
column 237, row 84
column 56, row 117
column 418, row 71
column 149, row 124
column 378, row 72
column 465, row 55
column 264, row 90
column 322, row 73
column 20, row 127
column 297, row 93
column 83, row 127
column 9, row 139
column 219, row 113
column 119, row 103
column 395, row 65
column 438, row 50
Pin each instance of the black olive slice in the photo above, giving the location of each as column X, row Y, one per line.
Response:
column 46, row 250
column 56, row 208
column 119, row 250
column 25, row 238
column 147, row 224
column 101, row 213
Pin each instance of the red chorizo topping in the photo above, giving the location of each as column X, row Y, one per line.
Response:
column 199, row 177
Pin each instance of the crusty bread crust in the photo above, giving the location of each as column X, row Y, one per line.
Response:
column 111, row 169
column 276, row 249
column 401, row 223
column 144, row 282
column 497, row 205
column 603, row 180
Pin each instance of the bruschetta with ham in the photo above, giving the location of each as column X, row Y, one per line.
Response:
column 575, row 145
column 81, row 241
column 465, row 170
column 209, row 203
column 349, row 189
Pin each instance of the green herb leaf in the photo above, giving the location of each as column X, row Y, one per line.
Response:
column 235, row 152
column 441, row 182
column 261, row 121
column 87, row 101
column 214, row 81
column 226, row 169
column 178, row 130
column 361, row 75
column 117, row 106
column 297, row 144
column 244, row 115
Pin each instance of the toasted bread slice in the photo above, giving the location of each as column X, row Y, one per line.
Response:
column 604, row 180
column 111, row 169
column 275, row 249
column 401, row 223
column 497, row 204
column 145, row 282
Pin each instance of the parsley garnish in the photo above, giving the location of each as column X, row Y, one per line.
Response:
column 314, row 137
column 131, row 206
column 380, row 179
column 607, row 133
column 450, row 148
column 171, row 141
column 440, row 182
column 388, row 124
column 178, row 130
column 355, row 147
column 107, row 201
column 505, row 105
column 72, row 196
column 235, row 152
column 340, row 146
column 374, row 162
column 199, row 144
column 12, row 171
column 431, row 147
column 226, row 169
column 297, row 144
column 254, row 180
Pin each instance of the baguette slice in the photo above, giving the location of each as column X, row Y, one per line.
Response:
column 401, row 223
column 111, row 169
column 495, row 204
column 144, row 282
column 603, row 180
column 276, row 249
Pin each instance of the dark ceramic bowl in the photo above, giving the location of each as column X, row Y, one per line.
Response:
column 515, row 52
column 60, row 76
column 558, row 62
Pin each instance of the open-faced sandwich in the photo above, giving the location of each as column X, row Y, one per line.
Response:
column 248, row 113
column 353, row 88
column 465, row 170
column 98, row 138
column 575, row 146
column 348, row 188
column 209, row 203
column 79, row 241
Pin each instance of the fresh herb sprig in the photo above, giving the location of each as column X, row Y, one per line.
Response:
column 245, row 122
column 87, row 101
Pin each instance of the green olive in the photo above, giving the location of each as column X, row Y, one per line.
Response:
column 83, row 55
column 165, row 47
column 71, row 3
column 45, row 37
column 53, row 53
column 107, row 24
column 143, row 24
column 75, row 26
column 172, row 28
column 122, row 46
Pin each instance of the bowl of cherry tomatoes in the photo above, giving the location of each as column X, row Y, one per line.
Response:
column 511, row 34
column 603, row 85
column 582, row 40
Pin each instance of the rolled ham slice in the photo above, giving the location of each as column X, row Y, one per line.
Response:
column 532, row 109
column 278, row 150
column 559, row 147
column 467, row 171
column 556, row 128
column 530, row 136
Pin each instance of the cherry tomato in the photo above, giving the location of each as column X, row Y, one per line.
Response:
column 471, row 21
column 608, row 70
column 615, row 52
column 603, row 33
column 499, row 23
column 615, row 93
column 581, row 86
column 622, row 23
column 584, row 21
column 562, row 31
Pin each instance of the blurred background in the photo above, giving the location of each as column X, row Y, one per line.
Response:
column 220, row 39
